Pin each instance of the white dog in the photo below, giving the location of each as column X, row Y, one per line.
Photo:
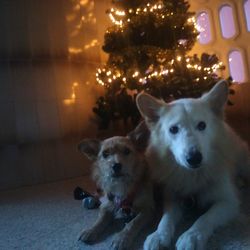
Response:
column 193, row 152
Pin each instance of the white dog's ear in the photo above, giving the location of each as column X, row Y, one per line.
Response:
column 140, row 136
column 217, row 97
column 149, row 107
column 90, row 147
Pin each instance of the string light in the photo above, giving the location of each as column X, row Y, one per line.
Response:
column 179, row 58
column 156, row 74
column 135, row 74
column 120, row 13
column 192, row 21
column 117, row 16
column 120, row 23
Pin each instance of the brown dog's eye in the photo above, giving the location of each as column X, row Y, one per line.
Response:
column 105, row 153
column 127, row 151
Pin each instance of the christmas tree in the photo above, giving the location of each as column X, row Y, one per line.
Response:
column 148, row 47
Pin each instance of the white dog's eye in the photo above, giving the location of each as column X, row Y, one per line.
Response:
column 174, row 129
column 201, row 126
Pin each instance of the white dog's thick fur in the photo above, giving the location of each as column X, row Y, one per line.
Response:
column 193, row 152
column 120, row 170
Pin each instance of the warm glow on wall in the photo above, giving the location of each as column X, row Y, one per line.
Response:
column 80, row 20
column 92, row 44
column 72, row 99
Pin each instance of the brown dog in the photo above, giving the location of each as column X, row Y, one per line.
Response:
column 120, row 171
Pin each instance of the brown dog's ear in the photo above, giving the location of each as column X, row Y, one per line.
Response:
column 90, row 147
column 217, row 97
column 140, row 136
column 149, row 107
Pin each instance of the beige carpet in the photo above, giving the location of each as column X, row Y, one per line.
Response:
column 46, row 217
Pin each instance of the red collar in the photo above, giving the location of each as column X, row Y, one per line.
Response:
column 125, row 204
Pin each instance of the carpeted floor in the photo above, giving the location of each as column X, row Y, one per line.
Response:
column 47, row 217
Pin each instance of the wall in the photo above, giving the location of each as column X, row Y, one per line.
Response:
column 49, row 52
column 221, row 47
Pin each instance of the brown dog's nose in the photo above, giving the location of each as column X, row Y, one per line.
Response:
column 117, row 167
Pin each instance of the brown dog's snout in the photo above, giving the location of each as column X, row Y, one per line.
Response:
column 117, row 167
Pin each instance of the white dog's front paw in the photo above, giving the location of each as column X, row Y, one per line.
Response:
column 156, row 241
column 191, row 240
column 120, row 242
column 88, row 236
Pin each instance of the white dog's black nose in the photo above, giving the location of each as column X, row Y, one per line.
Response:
column 117, row 167
column 194, row 158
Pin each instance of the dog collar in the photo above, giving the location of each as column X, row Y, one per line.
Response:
column 124, row 204
column 123, row 207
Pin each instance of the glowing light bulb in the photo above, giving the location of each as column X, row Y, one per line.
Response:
column 136, row 74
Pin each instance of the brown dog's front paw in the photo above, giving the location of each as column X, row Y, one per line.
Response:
column 88, row 236
column 120, row 242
